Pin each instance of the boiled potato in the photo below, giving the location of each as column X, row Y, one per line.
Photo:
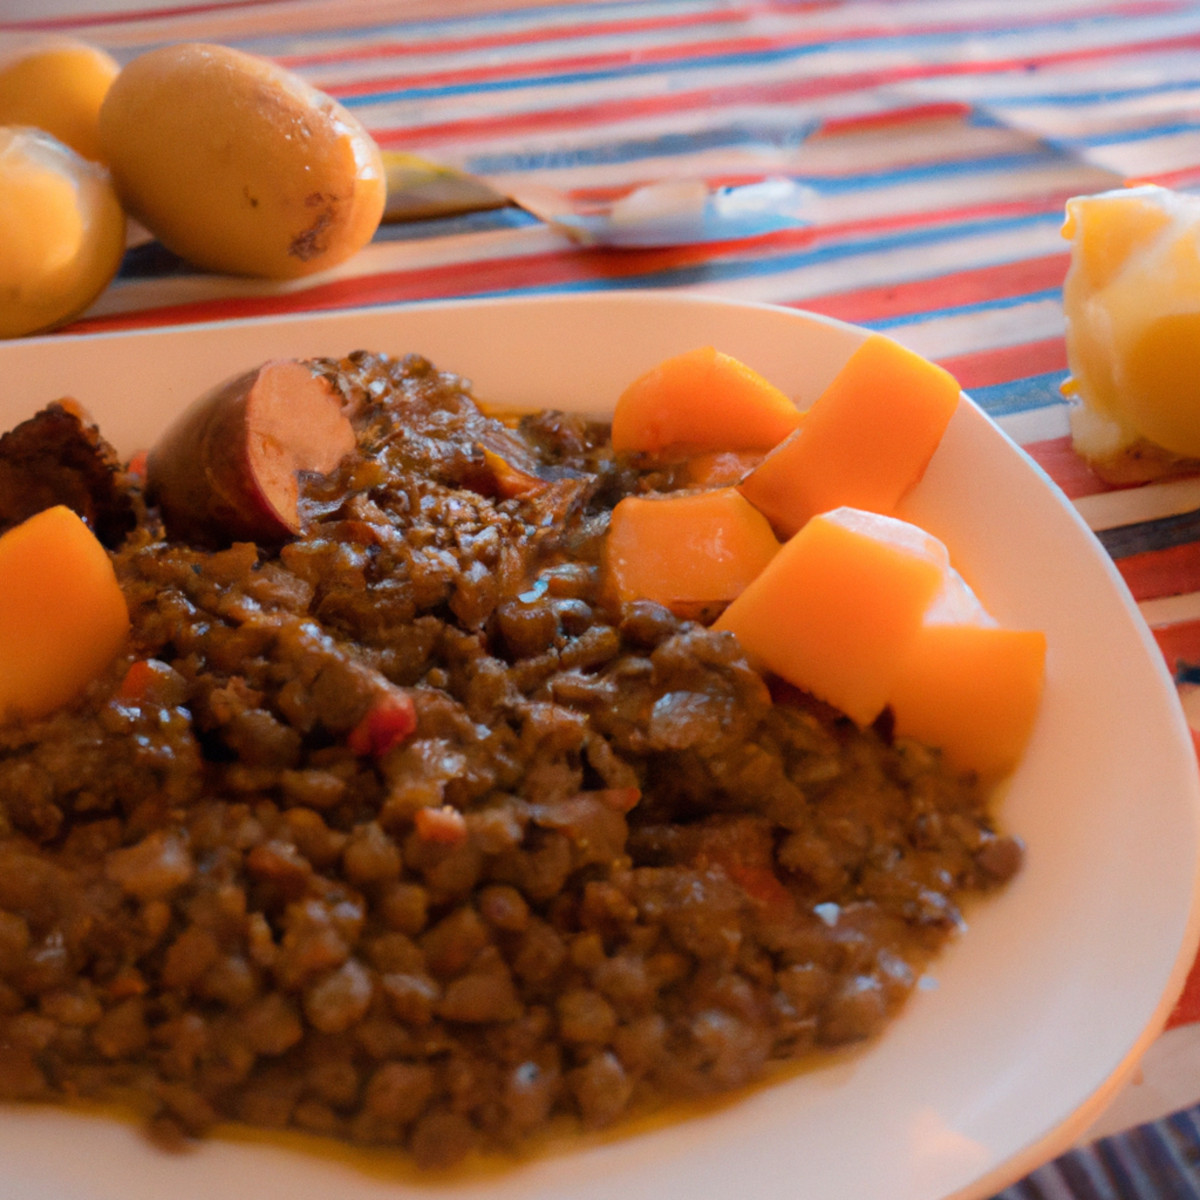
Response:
column 1131, row 300
column 62, row 231
column 58, row 86
column 239, row 166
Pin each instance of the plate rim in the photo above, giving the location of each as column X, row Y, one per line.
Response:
column 1061, row 1136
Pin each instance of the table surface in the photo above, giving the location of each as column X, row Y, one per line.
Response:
column 901, row 164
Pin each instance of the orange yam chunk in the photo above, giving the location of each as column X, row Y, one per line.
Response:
column 702, row 400
column 865, row 441
column 835, row 610
column 970, row 686
column 63, row 617
column 686, row 549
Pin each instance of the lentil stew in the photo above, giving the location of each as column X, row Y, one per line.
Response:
column 400, row 833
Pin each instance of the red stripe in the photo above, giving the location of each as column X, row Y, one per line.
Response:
column 1180, row 644
column 1170, row 572
column 784, row 91
column 1058, row 459
column 1181, row 178
column 948, row 291
column 133, row 14
column 863, row 122
column 424, row 283
column 1187, row 1007
column 1004, row 363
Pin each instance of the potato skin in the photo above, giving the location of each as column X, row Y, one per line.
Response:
column 58, row 86
column 239, row 166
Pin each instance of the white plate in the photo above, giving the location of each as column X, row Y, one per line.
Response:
column 1041, row 1009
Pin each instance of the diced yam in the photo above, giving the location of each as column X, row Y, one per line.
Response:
column 969, row 686
column 865, row 441
column 63, row 617
column 685, row 549
column 834, row 612
column 701, row 400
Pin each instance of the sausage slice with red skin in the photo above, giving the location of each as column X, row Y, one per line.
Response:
column 228, row 470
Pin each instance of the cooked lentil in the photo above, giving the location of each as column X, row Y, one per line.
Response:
column 608, row 868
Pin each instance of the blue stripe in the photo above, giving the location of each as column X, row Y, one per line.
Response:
column 1118, row 136
column 1155, row 1161
column 774, row 137
column 1079, row 1173
column 1080, row 99
column 1021, row 395
column 777, row 136
column 1125, row 1175
column 1162, row 533
column 1163, row 1155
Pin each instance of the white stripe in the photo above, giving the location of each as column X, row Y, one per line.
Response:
column 1148, row 156
column 1130, row 506
column 1036, row 424
column 1171, row 610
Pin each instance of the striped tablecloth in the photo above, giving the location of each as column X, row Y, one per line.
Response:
column 902, row 164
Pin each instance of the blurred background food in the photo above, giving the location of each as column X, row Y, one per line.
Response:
column 238, row 165
column 62, row 231
column 1132, row 306
column 229, row 161
column 58, row 86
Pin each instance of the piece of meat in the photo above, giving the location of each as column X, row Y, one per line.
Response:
column 59, row 457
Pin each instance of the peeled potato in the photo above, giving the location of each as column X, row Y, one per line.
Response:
column 239, row 166
column 58, row 86
column 1131, row 300
column 62, row 231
